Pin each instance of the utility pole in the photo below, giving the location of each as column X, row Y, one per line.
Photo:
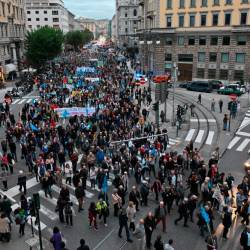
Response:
column 36, row 199
column 174, row 81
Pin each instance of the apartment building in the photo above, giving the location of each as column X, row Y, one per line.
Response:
column 86, row 23
column 207, row 39
column 50, row 13
column 12, row 30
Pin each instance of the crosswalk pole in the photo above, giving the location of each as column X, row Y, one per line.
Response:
column 39, row 230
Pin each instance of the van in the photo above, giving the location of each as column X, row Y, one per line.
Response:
column 200, row 86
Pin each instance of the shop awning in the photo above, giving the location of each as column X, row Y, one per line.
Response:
column 9, row 68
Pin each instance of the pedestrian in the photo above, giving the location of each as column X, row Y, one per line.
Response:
column 68, row 212
column 80, row 193
column 92, row 215
column 131, row 211
column 225, row 121
column 183, row 212
column 226, row 220
column 102, row 210
column 68, row 173
column 134, row 196
column 20, row 220
column 213, row 105
column 6, row 207
column 21, row 181
column 245, row 238
column 83, row 245
column 5, row 234
column 56, row 239
column 92, row 176
column 144, row 192
column 199, row 99
column 139, row 235
column 117, row 202
column 160, row 215
column 158, row 245
column 212, row 242
column 63, row 246
column 156, row 187
column 123, row 222
column 149, row 225
column 220, row 105
column 162, row 116
column 169, row 245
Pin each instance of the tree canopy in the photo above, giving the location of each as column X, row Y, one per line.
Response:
column 42, row 45
column 78, row 38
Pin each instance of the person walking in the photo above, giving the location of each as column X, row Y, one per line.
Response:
column 56, row 239
column 80, row 193
column 169, row 245
column 149, row 224
column 225, row 121
column 83, row 245
column 212, row 242
column 199, row 99
column 158, row 245
column 22, row 181
column 183, row 212
column 245, row 238
column 117, row 202
column 213, row 105
column 156, row 188
column 131, row 211
column 160, row 215
column 4, row 228
column 20, row 220
column 134, row 196
column 123, row 222
column 92, row 215
column 68, row 212
column 68, row 174
column 139, row 235
column 102, row 210
column 226, row 220
column 220, row 105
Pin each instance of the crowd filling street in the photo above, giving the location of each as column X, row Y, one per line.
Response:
column 97, row 112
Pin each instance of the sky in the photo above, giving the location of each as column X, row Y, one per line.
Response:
column 98, row 9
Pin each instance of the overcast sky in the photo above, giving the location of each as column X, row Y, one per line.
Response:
column 91, row 8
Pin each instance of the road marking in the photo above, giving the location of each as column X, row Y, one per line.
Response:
column 103, row 240
column 203, row 120
column 44, row 210
column 17, row 100
column 52, row 200
column 190, row 135
column 22, row 101
column 243, row 145
column 72, row 197
column 15, row 190
column 29, row 100
column 233, row 142
column 199, row 136
column 9, row 197
column 210, row 138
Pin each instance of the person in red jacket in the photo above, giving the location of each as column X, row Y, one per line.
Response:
column 92, row 215
column 156, row 188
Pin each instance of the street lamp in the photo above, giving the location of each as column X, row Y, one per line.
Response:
column 174, row 79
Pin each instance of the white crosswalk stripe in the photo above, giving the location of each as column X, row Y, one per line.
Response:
column 243, row 145
column 233, row 142
column 23, row 100
column 199, row 136
column 210, row 138
column 190, row 135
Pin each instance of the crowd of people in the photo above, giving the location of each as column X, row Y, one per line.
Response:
column 118, row 143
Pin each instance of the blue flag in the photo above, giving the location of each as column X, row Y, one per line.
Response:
column 204, row 215
column 33, row 127
column 105, row 184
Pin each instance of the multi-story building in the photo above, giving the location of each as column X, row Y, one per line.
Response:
column 207, row 39
column 103, row 27
column 12, row 31
column 50, row 13
column 86, row 23
column 71, row 21
column 127, row 22
column 114, row 30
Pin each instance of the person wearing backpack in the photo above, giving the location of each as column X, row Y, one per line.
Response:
column 20, row 220
column 68, row 213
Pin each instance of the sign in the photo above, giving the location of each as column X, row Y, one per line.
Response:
column 92, row 79
column 69, row 112
column 83, row 70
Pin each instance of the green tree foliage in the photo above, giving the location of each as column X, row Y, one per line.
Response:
column 78, row 38
column 42, row 45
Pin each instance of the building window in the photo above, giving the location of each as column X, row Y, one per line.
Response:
column 228, row 2
column 216, row 2
column 212, row 57
column 223, row 74
column 202, row 40
column 215, row 19
column 55, row 20
column 45, row 19
column 180, row 40
column 239, row 75
column 203, row 19
column 191, row 40
column 126, row 14
column 224, row 57
column 169, row 21
column 126, row 30
column 211, row 74
column 45, row 12
column 192, row 20
column 38, row 26
column 30, row 26
column 192, row 3
column 227, row 18
column 135, row 12
column 244, row 1
column 37, row 19
column 126, row 23
column 37, row 12
column 226, row 40
column 241, row 40
column 54, row 12
column 182, row 4
column 240, row 58
column 214, row 40
column 28, row 12
column 200, row 73
column 243, row 18
column 201, row 57
column 185, row 57
column 29, row 19
column 203, row 3
column 134, row 22
column 169, row 4
column 181, row 21
column 168, row 57
column 169, row 41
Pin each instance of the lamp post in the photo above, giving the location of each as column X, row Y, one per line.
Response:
column 174, row 78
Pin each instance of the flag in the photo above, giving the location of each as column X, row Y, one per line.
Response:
column 105, row 184
column 33, row 127
column 204, row 215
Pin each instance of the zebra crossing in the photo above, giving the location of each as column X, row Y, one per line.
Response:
column 239, row 144
column 20, row 101
column 199, row 138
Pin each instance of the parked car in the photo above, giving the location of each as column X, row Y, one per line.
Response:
column 183, row 85
column 216, row 84
column 230, row 89
column 201, row 86
column 241, row 87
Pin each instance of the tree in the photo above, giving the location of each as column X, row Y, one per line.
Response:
column 78, row 38
column 42, row 45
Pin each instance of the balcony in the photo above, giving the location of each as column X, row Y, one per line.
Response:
column 141, row 2
column 241, row 28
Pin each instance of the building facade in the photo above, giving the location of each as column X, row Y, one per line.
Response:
column 102, row 27
column 114, row 30
column 207, row 39
column 127, row 22
column 86, row 23
column 12, row 32
column 50, row 13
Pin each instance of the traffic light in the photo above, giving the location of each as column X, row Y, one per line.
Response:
column 156, row 106
column 36, row 199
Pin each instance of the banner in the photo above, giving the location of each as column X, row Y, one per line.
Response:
column 92, row 79
column 69, row 112
column 83, row 70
